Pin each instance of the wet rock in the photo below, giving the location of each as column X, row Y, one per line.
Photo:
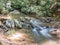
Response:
column 3, row 28
column 46, row 19
column 35, row 22
column 22, row 23
column 18, row 23
column 26, row 25
column 22, row 18
column 9, row 23
column 15, row 12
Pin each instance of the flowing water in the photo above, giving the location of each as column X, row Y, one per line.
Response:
column 41, row 32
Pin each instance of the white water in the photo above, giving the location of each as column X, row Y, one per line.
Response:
column 38, row 30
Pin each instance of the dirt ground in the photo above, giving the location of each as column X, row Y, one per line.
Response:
column 6, row 41
column 18, row 40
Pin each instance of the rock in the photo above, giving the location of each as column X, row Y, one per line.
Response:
column 9, row 23
column 15, row 12
column 55, row 32
column 18, row 23
column 35, row 22
column 3, row 28
column 46, row 19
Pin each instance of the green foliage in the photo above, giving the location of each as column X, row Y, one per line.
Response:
column 2, row 5
column 58, row 3
column 17, row 4
column 39, row 7
column 3, row 9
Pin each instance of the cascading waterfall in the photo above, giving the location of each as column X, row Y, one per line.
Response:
column 40, row 32
column 45, row 32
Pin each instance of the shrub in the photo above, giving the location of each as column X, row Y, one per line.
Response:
column 39, row 7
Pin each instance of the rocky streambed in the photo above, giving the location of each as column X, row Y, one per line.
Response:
column 27, row 30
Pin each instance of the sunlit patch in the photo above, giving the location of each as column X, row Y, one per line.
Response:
column 49, row 42
column 16, row 37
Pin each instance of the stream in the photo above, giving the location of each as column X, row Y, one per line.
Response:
column 40, row 29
